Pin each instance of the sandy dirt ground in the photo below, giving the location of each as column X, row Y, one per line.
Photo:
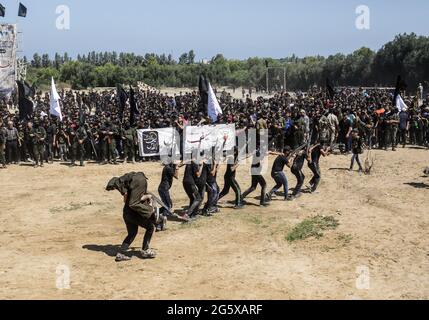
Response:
column 60, row 216
column 236, row 94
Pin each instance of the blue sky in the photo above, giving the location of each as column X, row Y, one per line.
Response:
column 236, row 28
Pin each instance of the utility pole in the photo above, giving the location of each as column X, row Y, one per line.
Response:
column 268, row 89
column 284, row 79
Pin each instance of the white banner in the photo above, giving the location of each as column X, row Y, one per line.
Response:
column 158, row 142
column 7, row 58
column 206, row 137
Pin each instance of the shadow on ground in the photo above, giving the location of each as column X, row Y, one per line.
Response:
column 418, row 185
column 110, row 250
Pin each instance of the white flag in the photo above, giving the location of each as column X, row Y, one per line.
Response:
column 55, row 102
column 214, row 109
column 400, row 104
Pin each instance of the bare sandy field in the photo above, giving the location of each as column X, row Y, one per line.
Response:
column 60, row 216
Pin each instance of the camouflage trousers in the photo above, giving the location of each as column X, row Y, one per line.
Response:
column 129, row 151
column 38, row 152
column 76, row 149
column 109, row 151
column 2, row 157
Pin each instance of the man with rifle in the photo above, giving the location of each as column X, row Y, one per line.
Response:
column 37, row 135
column 77, row 139
column 107, row 133
column 129, row 142
column 62, row 142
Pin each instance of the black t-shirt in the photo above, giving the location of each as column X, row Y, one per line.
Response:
column 357, row 145
column 347, row 124
column 190, row 173
column 50, row 132
column 256, row 167
column 210, row 178
column 61, row 137
column 229, row 172
column 298, row 163
column 167, row 178
column 279, row 164
column 315, row 154
column 201, row 181
column 2, row 136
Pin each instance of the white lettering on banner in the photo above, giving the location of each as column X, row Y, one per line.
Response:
column 207, row 137
column 7, row 58
column 159, row 142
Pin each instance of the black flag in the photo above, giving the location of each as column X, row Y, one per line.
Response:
column 22, row 11
column 122, row 98
column 134, row 111
column 29, row 91
column 329, row 89
column 25, row 104
column 400, row 86
column 204, row 93
column 2, row 10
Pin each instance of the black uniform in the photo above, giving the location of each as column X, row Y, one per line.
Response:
column 314, row 166
column 257, row 178
column 212, row 189
column 51, row 130
column 201, row 181
column 230, row 182
column 165, row 186
column 279, row 176
column 297, row 172
column 191, row 189
column 78, row 137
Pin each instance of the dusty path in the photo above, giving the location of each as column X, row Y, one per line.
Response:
column 62, row 216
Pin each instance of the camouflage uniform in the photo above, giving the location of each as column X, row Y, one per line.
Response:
column 392, row 130
column 37, row 140
column 107, row 135
column 77, row 141
column 129, row 138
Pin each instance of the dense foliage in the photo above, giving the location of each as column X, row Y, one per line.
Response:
column 407, row 54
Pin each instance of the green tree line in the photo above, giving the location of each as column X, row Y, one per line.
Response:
column 407, row 54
